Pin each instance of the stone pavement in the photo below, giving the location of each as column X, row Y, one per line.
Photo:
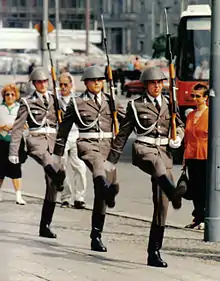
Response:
column 27, row 257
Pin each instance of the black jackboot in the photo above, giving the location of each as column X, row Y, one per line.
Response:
column 154, row 245
column 46, row 219
column 56, row 177
column 109, row 190
column 97, row 227
column 173, row 194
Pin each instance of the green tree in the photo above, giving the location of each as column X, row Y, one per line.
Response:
column 159, row 46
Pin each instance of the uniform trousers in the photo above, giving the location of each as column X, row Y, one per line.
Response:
column 40, row 149
column 94, row 152
column 151, row 162
column 75, row 180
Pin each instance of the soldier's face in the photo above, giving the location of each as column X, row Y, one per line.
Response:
column 154, row 87
column 94, row 86
column 65, row 86
column 41, row 86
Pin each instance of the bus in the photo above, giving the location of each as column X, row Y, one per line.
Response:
column 193, row 53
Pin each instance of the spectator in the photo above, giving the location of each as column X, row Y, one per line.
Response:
column 202, row 71
column 8, row 113
column 137, row 65
column 195, row 154
column 130, row 65
column 77, row 166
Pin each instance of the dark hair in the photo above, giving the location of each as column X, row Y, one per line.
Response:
column 203, row 87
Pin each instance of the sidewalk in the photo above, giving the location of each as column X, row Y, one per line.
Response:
column 27, row 257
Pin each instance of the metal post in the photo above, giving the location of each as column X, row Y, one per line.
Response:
column 182, row 6
column 212, row 219
column 153, row 20
column 57, row 33
column 87, row 20
column 44, row 34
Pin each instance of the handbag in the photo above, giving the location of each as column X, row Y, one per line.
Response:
column 184, row 182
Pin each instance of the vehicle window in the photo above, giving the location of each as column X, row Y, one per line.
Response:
column 194, row 49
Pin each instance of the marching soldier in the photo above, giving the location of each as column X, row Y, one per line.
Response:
column 38, row 110
column 92, row 114
column 149, row 117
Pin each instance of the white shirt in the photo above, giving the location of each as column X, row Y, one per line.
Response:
column 8, row 116
column 74, row 132
column 40, row 95
column 99, row 97
column 158, row 98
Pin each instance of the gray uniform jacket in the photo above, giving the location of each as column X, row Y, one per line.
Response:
column 39, row 143
column 85, row 112
column 145, row 155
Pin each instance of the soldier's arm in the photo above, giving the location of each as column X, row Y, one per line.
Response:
column 179, row 126
column 126, row 128
column 120, row 111
column 64, row 129
column 17, row 130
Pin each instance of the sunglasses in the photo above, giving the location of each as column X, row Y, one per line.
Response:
column 9, row 94
column 63, row 84
column 195, row 96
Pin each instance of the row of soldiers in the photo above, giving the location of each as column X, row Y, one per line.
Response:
column 148, row 116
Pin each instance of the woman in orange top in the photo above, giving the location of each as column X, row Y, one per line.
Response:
column 195, row 153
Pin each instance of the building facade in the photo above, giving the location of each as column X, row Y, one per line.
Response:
column 131, row 25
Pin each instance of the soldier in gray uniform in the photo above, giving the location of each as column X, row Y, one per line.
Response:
column 39, row 113
column 149, row 117
column 91, row 112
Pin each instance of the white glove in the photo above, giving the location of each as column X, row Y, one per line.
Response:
column 108, row 166
column 175, row 143
column 13, row 159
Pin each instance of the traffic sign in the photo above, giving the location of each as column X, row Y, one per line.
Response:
column 50, row 27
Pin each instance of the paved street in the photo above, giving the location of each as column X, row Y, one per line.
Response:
column 27, row 257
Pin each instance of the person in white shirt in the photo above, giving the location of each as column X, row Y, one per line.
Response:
column 202, row 71
column 8, row 112
column 75, row 183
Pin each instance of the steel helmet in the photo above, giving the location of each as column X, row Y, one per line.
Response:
column 92, row 72
column 39, row 73
column 152, row 73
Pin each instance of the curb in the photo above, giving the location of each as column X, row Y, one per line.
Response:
column 112, row 213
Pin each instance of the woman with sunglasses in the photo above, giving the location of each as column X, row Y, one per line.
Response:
column 8, row 113
column 195, row 153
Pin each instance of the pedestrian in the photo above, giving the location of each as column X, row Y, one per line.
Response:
column 195, row 153
column 149, row 116
column 39, row 111
column 137, row 64
column 77, row 168
column 8, row 112
column 91, row 112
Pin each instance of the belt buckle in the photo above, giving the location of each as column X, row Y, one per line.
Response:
column 157, row 141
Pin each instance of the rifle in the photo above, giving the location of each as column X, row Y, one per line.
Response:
column 110, row 80
column 53, row 75
column 173, row 100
